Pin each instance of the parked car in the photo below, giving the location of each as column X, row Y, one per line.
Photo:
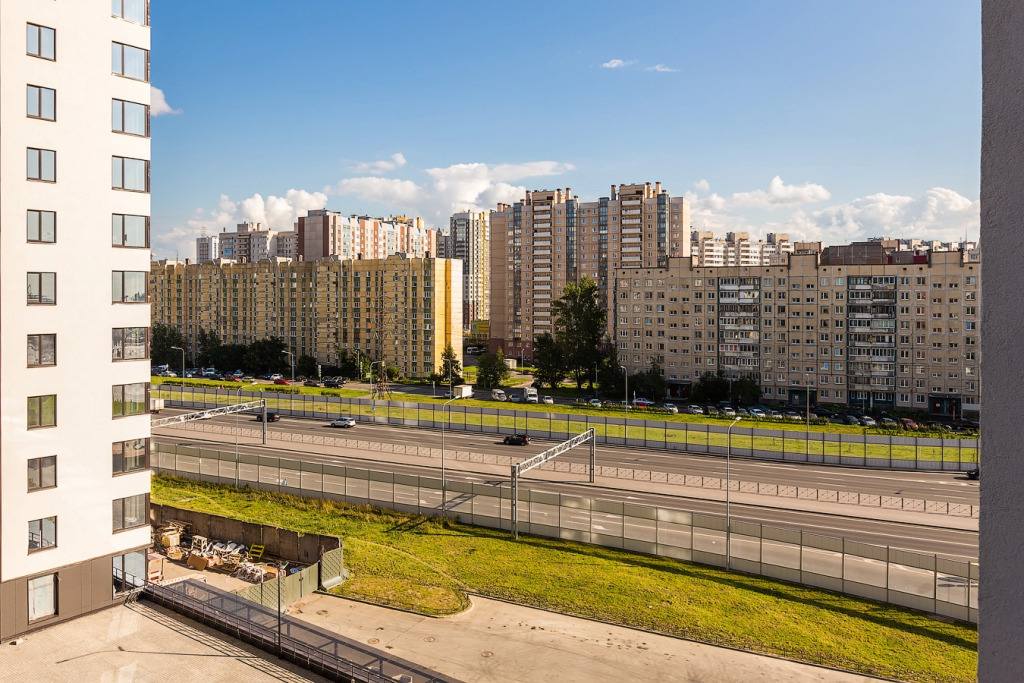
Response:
column 974, row 474
column 907, row 423
column 758, row 413
column 743, row 412
column 332, row 384
column 282, row 380
column 774, row 413
column 595, row 403
column 823, row 413
column 274, row 377
column 671, row 407
column 516, row 440
column 710, row 410
column 516, row 398
column 851, row 420
column 728, row 411
column 792, row 415
column 643, row 403
column 343, row 422
column 272, row 416
column 694, row 410
column 867, row 421
column 311, row 383
column 548, row 400
column 888, row 422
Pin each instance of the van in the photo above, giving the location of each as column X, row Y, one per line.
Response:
column 498, row 395
column 472, row 350
column 530, row 395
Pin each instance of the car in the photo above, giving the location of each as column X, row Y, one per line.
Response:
column 343, row 422
column 643, row 403
column 694, row 410
column 852, row 420
column 774, row 413
column 888, row 422
column 823, row 413
column 230, row 378
column 974, row 474
column 516, row 398
column 282, row 380
column 548, row 400
column 907, row 423
column 311, row 383
column 727, row 411
column 272, row 416
column 710, row 410
column 332, row 384
column 274, row 377
column 743, row 412
column 792, row 415
column 595, row 403
column 671, row 407
column 867, row 421
column 516, row 440
column 758, row 413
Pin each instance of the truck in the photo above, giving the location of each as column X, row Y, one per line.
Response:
column 498, row 395
column 156, row 405
column 530, row 395
column 462, row 391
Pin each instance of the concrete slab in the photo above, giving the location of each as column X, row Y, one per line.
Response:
column 141, row 643
column 497, row 641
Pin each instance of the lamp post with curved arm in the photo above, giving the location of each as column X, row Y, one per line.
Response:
column 728, row 487
column 238, row 399
column 444, row 486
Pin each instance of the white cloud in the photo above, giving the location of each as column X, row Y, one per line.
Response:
column 702, row 185
column 383, row 166
column 158, row 103
column 460, row 187
column 781, row 194
column 276, row 213
column 661, row 68
column 616, row 63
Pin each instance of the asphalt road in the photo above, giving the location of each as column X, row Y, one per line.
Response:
column 952, row 487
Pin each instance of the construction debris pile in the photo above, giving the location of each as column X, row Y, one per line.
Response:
column 201, row 553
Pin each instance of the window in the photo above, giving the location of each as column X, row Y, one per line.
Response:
column 129, row 61
column 129, row 399
column 42, row 411
column 42, row 288
column 129, row 231
column 130, row 456
column 42, row 534
column 42, row 350
column 131, row 512
column 132, row 10
column 129, row 174
column 41, row 103
column 42, row 473
column 42, row 597
column 129, row 571
column 129, row 343
column 41, row 164
column 129, row 287
column 129, row 117
column 41, row 226
column 41, row 42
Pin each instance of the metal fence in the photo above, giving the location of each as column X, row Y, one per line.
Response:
column 861, row 450
column 626, row 473
column 921, row 581
column 295, row 586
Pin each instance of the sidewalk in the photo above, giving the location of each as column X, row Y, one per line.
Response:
column 498, row 641
column 501, row 472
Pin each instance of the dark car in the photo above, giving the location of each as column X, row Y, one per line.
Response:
column 517, row 440
column 311, row 383
column 907, row 423
column 272, row 416
column 974, row 474
column 851, row 420
column 332, row 384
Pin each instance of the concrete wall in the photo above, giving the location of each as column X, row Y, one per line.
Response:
column 1001, row 599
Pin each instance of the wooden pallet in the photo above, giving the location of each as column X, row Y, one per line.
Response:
column 256, row 552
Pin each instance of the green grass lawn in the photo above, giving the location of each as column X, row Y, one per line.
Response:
column 428, row 565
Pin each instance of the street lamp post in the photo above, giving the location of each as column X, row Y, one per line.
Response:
column 728, row 487
column 444, row 486
column 625, row 408
column 178, row 348
column 238, row 399
column 280, row 565
column 291, row 358
column 807, row 415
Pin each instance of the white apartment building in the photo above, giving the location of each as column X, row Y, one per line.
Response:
column 74, row 154
column 469, row 239
column 207, row 248
column 323, row 234
column 737, row 249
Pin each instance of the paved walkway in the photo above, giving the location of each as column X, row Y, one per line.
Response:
column 497, row 641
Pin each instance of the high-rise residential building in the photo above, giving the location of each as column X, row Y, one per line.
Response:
column 550, row 238
column 468, row 239
column 320, row 308
column 207, row 248
column 737, row 249
column 74, row 155
column 323, row 233
column 866, row 325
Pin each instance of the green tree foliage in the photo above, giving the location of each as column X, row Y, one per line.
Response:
column 450, row 363
column 209, row 342
column 710, row 388
column 267, row 355
column 650, row 384
column 491, row 370
column 229, row 357
column 306, row 366
column 547, row 359
column 394, row 373
column 579, row 328
column 354, row 366
column 746, row 391
column 162, row 338
column 610, row 377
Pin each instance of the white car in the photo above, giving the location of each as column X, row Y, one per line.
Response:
column 758, row 413
column 595, row 403
column 549, row 400
column 671, row 407
column 275, row 377
column 343, row 422
column 727, row 411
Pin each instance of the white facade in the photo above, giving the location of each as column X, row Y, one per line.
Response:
column 207, row 248
column 469, row 239
column 84, row 258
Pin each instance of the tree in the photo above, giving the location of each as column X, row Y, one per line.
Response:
column 491, row 370
column 579, row 328
column 162, row 338
column 209, row 342
column 266, row 355
column 650, row 384
column 710, row 388
column 746, row 391
column 355, row 366
column 306, row 366
column 547, row 360
column 229, row 357
column 609, row 373
column 451, row 367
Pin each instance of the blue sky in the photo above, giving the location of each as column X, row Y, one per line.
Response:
column 828, row 120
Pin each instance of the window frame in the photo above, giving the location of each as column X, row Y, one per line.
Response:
column 40, row 302
column 39, row 165
column 117, row 450
column 123, row 244
column 120, row 398
column 39, row 466
column 39, row 41
column 113, row 45
column 39, row 226
column 39, row 350
column 121, row 130
column 118, row 566
column 39, row 102
column 121, row 344
column 114, row 12
column 39, row 411
column 54, row 583
column 42, row 547
column 118, row 513
column 121, row 187
column 122, row 300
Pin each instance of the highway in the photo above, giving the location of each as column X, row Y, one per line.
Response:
column 930, row 537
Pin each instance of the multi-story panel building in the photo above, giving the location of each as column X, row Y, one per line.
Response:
column 321, row 308
column 74, row 155
column 468, row 240
column 323, row 234
column 207, row 248
column 550, row 238
column 737, row 249
column 865, row 325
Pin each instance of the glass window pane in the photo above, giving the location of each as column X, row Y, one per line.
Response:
column 117, row 451
column 42, row 597
column 48, row 349
column 115, row 58
column 33, row 288
column 135, row 342
column 134, row 62
column 32, row 159
column 48, row 104
column 117, row 286
column 47, row 43
column 32, row 98
column 48, row 471
column 32, row 35
column 117, row 344
column 48, row 288
column 118, row 512
column 117, row 396
column 48, row 226
column 134, row 511
column 134, row 118
column 48, row 410
column 135, row 568
column 134, row 455
column 117, row 172
column 33, row 349
column 33, row 411
column 116, row 115
column 135, row 286
column 135, row 174
column 48, row 164
column 116, row 229
column 135, row 231
column 32, row 219
column 33, row 474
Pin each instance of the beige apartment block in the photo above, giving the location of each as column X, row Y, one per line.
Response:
column 550, row 238
column 323, row 234
column 469, row 240
column 864, row 325
column 404, row 310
